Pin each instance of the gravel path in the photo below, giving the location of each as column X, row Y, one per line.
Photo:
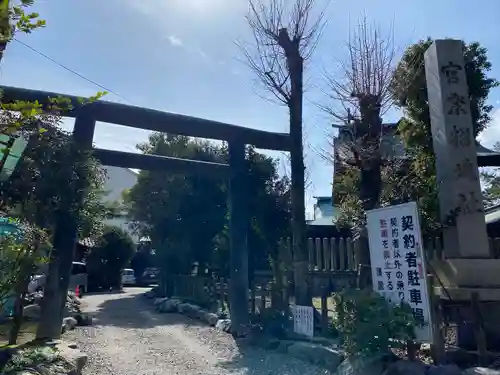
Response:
column 129, row 338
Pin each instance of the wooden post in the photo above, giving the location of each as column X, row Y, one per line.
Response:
column 411, row 349
column 286, row 257
column 326, row 254
column 342, row 254
column 220, row 293
column 362, row 250
column 437, row 347
column 225, row 294
column 324, row 310
column 479, row 329
column 238, row 283
column 334, row 249
column 340, row 310
column 252, row 300
column 262, row 303
column 65, row 238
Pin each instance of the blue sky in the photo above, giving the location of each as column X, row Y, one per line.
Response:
column 181, row 56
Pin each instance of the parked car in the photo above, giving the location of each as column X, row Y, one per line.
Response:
column 150, row 276
column 128, row 277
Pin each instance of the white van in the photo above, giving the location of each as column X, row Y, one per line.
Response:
column 128, row 277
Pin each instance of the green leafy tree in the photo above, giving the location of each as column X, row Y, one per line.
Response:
column 143, row 258
column 41, row 184
column 491, row 182
column 13, row 18
column 269, row 205
column 54, row 184
column 269, row 199
column 21, row 254
column 185, row 216
column 181, row 214
column 370, row 325
column 112, row 253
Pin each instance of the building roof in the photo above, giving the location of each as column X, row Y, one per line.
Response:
column 492, row 214
column 487, row 157
column 323, row 199
column 322, row 221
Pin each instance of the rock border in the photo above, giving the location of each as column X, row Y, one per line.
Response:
column 315, row 352
column 175, row 305
column 322, row 352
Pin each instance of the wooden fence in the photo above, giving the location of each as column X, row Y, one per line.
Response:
column 332, row 265
column 332, row 254
column 338, row 254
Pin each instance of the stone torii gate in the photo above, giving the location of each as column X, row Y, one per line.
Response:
column 237, row 137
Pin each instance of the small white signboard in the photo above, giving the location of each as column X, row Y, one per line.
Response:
column 303, row 320
column 398, row 264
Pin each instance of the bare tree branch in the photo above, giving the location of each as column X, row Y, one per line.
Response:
column 368, row 71
column 273, row 24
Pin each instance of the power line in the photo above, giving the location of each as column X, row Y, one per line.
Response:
column 70, row 70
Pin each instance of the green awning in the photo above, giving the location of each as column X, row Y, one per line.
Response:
column 12, row 150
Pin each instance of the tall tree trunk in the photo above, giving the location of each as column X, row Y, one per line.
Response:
column 300, row 254
column 58, row 277
column 20, row 291
column 238, row 227
column 370, row 188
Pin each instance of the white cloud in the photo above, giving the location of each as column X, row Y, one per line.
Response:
column 491, row 134
column 178, row 42
column 199, row 9
column 175, row 41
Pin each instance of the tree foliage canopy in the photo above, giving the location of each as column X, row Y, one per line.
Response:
column 185, row 216
column 113, row 251
column 43, row 182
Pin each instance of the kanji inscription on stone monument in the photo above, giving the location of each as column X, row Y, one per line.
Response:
column 460, row 196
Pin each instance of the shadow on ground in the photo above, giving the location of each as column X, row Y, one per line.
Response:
column 256, row 361
column 134, row 311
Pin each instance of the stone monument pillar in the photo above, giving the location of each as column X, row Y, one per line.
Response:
column 468, row 263
column 460, row 196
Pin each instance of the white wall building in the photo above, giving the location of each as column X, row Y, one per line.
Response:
column 324, row 212
column 119, row 180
